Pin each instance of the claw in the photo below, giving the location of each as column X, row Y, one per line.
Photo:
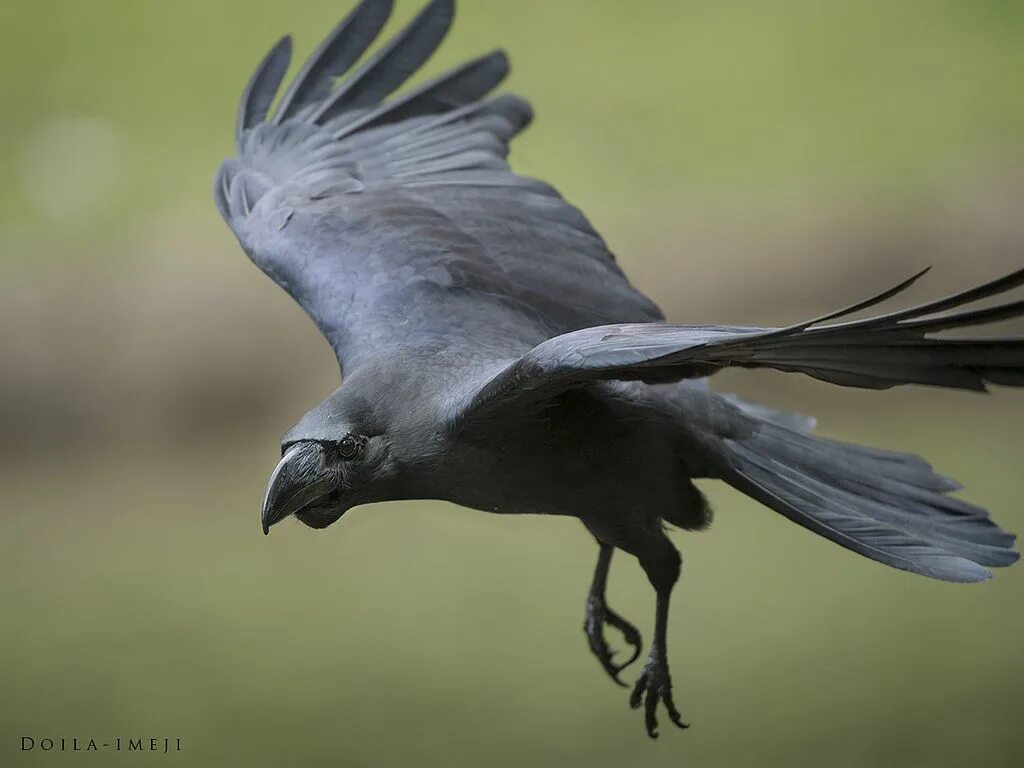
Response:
column 604, row 655
column 629, row 633
column 650, row 715
column 598, row 615
column 653, row 686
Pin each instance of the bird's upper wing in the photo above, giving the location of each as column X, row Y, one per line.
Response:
column 875, row 353
column 397, row 223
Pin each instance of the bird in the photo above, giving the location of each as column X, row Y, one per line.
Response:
column 494, row 354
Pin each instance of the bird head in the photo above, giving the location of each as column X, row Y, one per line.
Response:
column 330, row 462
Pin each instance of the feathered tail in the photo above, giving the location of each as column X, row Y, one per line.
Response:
column 891, row 507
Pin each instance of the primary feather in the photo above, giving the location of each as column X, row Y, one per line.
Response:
column 393, row 64
column 334, row 57
column 262, row 87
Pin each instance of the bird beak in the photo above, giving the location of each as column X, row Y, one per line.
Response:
column 299, row 480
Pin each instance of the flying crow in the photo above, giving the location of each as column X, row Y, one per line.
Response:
column 495, row 355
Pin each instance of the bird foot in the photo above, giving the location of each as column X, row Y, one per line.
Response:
column 653, row 686
column 599, row 615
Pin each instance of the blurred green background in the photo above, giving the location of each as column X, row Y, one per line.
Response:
column 749, row 162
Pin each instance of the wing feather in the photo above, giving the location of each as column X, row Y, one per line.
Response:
column 876, row 353
column 335, row 56
column 393, row 64
column 262, row 87
column 361, row 206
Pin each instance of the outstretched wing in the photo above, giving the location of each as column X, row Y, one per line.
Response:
column 876, row 353
column 397, row 223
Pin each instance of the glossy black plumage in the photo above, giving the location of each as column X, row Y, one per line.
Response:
column 494, row 354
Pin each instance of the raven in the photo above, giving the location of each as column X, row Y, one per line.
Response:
column 495, row 355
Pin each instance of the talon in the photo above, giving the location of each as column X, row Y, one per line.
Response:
column 651, row 712
column 673, row 712
column 618, row 670
column 598, row 616
column 629, row 633
column 637, row 696
column 654, row 686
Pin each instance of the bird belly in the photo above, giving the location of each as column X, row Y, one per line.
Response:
column 591, row 453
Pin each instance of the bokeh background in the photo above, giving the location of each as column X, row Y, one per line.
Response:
column 749, row 162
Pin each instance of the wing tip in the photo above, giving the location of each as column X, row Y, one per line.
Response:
column 263, row 85
column 974, row 575
column 501, row 60
column 351, row 36
column 444, row 6
column 514, row 108
column 442, row 11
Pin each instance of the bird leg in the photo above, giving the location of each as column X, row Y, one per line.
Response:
column 662, row 563
column 598, row 614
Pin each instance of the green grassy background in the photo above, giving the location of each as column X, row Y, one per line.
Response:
column 781, row 143
column 145, row 601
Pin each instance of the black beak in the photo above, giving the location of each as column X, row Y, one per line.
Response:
column 299, row 479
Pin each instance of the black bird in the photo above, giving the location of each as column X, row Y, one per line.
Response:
column 495, row 355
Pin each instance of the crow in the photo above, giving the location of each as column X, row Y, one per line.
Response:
column 494, row 354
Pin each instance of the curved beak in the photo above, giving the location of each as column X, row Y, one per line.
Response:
column 300, row 478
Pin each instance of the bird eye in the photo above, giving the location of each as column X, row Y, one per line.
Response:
column 349, row 447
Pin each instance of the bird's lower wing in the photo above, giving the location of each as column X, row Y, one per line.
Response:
column 874, row 353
